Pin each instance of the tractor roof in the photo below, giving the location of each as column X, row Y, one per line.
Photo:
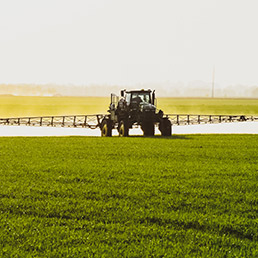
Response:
column 138, row 91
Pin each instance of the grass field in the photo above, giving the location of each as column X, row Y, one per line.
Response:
column 40, row 106
column 48, row 106
column 184, row 196
column 209, row 106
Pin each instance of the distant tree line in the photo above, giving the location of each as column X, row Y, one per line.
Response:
column 163, row 89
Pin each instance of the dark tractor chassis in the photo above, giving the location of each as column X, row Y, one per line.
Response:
column 135, row 107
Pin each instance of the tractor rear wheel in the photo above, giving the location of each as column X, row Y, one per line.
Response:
column 123, row 129
column 148, row 129
column 106, row 128
column 165, row 127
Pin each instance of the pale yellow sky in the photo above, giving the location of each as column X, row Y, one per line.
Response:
column 128, row 41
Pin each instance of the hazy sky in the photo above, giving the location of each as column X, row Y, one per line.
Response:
column 128, row 41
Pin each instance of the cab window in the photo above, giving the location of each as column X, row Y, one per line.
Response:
column 144, row 96
column 127, row 98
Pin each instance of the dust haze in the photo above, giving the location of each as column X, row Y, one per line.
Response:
column 164, row 89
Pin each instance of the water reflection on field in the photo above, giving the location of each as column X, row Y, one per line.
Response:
column 224, row 128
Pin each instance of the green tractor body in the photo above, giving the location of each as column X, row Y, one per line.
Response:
column 135, row 107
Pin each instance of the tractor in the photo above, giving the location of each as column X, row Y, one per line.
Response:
column 134, row 107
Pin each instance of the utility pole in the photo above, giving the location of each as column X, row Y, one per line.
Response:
column 213, row 82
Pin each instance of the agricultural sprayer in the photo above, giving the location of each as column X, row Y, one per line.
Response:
column 133, row 108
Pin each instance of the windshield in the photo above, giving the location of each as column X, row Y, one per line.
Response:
column 143, row 96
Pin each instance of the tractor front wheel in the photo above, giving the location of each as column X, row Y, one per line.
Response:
column 123, row 129
column 148, row 129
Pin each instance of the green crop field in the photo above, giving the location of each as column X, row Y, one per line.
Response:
column 51, row 106
column 47, row 106
column 184, row 196
column 209, row 106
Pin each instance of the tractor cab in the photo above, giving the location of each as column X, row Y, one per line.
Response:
column 136, row 97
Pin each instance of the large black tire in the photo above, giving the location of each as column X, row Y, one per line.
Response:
column 165, row 127
column 106, row 128
column 123, row 129
column 148, row 129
